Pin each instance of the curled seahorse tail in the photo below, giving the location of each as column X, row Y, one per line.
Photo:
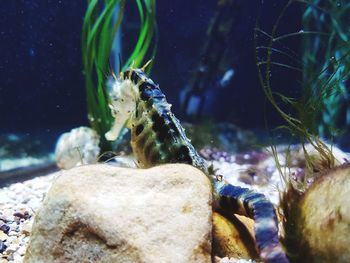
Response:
column 256, row 206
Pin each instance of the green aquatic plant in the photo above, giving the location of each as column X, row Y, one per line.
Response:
column 102, row 21
column 323, row 68
column 329, row 56
column 319, row 87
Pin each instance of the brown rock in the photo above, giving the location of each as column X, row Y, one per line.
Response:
column 100, row 213
column 326, row 213
column 233, row 238
column 318, row 225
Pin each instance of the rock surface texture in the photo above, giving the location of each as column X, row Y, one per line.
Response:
column 100, row 213
column 77, row 147
column 324, row 222
column 234, row 237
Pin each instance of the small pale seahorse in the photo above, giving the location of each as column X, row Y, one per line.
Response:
column 157, row 137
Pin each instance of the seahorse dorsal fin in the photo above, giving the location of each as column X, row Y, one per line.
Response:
column 146, row 65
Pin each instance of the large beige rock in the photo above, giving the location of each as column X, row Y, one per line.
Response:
column 318, row 222
column 100, row 213
column 325, row 217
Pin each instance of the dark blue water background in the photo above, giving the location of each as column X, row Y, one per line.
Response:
column 42, row 86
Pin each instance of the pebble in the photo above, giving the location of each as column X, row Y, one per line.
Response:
column 24, row 215
column 21, row 251
column 10, row 240
column 5, row 228
column 3, row 236
column 2, row 247
column 3, row 218
column 12, row 248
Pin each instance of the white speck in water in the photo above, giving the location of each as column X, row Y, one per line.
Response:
column 31, row 52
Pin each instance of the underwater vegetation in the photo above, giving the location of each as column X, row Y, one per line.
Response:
column 326, row 60
column 321, row 84
column 313, row 208
column 102, row 22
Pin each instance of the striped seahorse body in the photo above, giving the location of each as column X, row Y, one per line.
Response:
column 157, row 137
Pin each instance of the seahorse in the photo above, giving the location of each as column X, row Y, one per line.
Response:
column 157, row 137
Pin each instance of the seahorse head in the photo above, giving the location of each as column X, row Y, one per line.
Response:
column 123, row 95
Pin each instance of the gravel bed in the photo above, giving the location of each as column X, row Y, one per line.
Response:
column 18, row 204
